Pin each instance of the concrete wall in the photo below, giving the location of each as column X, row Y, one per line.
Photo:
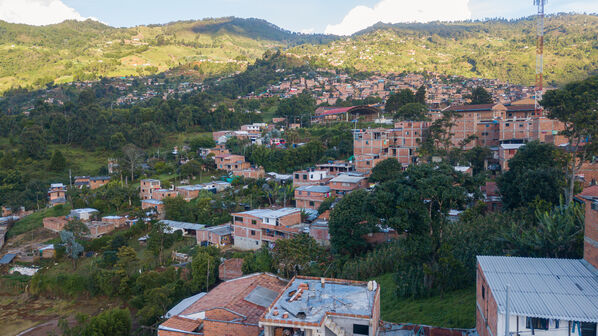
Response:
column 244, row 243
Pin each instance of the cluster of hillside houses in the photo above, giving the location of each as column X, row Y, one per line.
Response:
column 528, row 296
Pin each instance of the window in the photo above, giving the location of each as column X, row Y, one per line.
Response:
column 253, row 232
column 534, row 323
column 556, row 323
column 239, row 219
column 311, row 203
column 299, row 192
column 253, row 221
column 361, row 329
column 484, row 290
column 297, row 176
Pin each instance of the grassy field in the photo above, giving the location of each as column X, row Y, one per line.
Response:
column 35, row 220
column 452, row 310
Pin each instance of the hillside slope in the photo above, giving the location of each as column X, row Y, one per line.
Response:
column 35, row 56
column 491, row 49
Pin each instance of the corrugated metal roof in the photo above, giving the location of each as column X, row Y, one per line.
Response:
column 562, row 289
column 7, row 258
column 184, row 304
column 314, row 188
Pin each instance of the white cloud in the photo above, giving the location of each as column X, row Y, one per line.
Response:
column 393, row 11
column 37, row 12
column 308, row 31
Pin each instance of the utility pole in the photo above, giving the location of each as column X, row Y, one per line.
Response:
column 539, row 53
column 507, row 311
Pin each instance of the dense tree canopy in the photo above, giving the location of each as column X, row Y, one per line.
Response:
column 535, row 173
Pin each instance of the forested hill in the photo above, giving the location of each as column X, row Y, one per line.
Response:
column 33, row 56
column 70, row 51
column 490, row 49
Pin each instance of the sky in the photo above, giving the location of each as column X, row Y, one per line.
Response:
column 342, row 17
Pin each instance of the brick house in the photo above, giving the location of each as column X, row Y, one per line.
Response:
column 250, row 173
column 319, row 231
column 233, row 307
column 150, row 204
column 344, row 184
column 547, row 296
column 264, row 226
column 590, row 197
column 57, row 194
column 505, row 153
column 492, row 198
column 147, row 187
column 231, row 162
column 336, row 167
column 310, row 177
column 81, row 182
column 118, row 221
column 230, row 269
column 311, row 196
column 219, row 236
column 161, row 194
column 100, row 228
column 319, row 306
column 588, row 173
column 55, row 224
column 98, row 181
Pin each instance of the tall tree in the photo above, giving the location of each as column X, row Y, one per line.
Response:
column 387, row 170
column 204, row 268
column 412, row 112
column 479, row 95
column 398, row 100
column 535, row 172
column 348, row 224
column 576, row 106
column 420, row 95
column 57, row 162
column 132, row 157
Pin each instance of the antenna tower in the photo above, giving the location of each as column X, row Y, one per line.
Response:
column 539, row 53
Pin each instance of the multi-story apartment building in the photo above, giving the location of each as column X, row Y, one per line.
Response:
column 147, row 188
column 256, row 227
column 371, row 146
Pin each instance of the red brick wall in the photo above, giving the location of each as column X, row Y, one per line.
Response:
column 591, row 234
column 485, row 306
column 94, row 184
column 292, row 219
column 213, row 328
column 55, row 223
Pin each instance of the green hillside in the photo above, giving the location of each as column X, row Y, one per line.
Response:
column 35, row 56
column 491, row 49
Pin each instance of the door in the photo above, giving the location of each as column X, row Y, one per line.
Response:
column 588, row 329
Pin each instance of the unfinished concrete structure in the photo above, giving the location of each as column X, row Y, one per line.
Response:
column 321, row 307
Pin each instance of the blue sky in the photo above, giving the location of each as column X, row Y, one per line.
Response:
column 332, row 16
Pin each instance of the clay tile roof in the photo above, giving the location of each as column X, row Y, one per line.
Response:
column 589, row 192
column 231, row 295
column 466, row 108
column 181, row 323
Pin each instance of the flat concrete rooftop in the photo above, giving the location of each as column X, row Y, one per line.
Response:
column 315, row 301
